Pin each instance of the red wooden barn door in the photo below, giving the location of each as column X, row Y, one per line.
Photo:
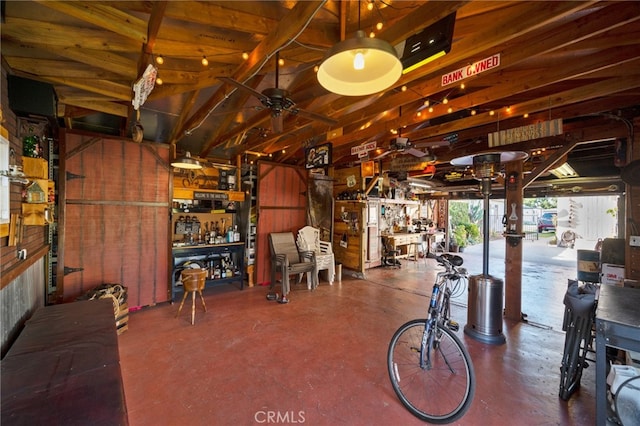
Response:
column 114, row 218
column 282, row 207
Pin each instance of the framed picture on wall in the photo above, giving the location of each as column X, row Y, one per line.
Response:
column 318, row 156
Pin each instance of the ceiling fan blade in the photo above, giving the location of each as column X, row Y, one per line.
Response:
column 277, row 122
column 244, row 87
column 312, row 116
column 384, row 154
column 431, row 144
column 415, row 152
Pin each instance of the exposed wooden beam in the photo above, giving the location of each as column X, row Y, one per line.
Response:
column 103, row 16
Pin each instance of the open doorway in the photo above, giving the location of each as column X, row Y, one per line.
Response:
column 548, row 262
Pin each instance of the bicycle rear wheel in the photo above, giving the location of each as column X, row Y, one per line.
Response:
column 441, row 393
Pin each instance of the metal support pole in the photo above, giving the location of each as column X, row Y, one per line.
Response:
column 486, row 190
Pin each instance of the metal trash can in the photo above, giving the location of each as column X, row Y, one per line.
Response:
column 589, row 266
column 484, row 309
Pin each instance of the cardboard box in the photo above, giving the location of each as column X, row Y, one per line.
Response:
column 612, row 274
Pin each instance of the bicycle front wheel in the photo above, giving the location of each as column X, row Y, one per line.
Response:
column 440, row 392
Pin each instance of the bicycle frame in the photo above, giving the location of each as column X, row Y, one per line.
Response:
column 438, row 315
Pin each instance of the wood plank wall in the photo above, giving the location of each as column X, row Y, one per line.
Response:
column 282, row 207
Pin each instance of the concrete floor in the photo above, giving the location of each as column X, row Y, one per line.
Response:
column 321, row 359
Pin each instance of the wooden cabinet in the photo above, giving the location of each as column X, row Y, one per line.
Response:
column 349, row 235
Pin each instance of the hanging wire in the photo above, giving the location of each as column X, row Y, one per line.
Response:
column 266, row 59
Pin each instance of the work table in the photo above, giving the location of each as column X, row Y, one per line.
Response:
column 402, row 241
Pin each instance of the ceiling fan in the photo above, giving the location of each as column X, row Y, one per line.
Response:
column 403, row 146
column 278, row 100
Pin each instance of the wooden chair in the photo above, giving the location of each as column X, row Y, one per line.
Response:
column 287, row 260
column 309, row 240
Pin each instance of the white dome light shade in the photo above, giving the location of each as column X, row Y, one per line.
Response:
column 378, row 63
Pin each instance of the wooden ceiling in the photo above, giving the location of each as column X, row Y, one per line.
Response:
column 578, row 61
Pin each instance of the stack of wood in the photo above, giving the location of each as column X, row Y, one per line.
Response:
column 118, row 295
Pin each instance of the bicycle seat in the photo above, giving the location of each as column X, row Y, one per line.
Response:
column 454, row 259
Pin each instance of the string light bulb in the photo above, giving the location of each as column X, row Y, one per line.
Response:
column 245, row 55
column 204, row 61
column 159, row 81
column 159, row 60
column 370, row 5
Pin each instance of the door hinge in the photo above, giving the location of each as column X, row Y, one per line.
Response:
column 68, row 270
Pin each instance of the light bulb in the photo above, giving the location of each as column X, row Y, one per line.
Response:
column 379, row 26
column 159, row 60
column 358, row 61
column 370, row 5
column 159, row 81
column 205, row 62
column 245, row 55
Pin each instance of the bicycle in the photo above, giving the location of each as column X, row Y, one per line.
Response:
column 430, row 369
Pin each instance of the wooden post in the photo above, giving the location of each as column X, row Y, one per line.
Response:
column 513, row 252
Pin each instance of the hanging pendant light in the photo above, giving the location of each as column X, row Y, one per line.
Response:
column 360, row 66
column 186, row 162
